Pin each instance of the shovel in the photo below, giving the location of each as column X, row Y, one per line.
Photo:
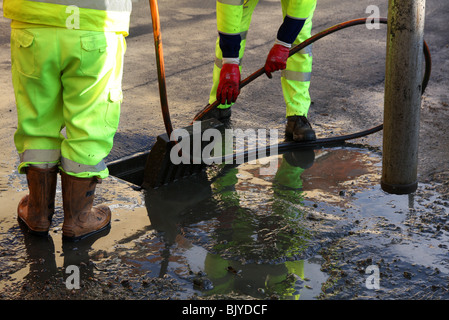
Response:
column 159, row 167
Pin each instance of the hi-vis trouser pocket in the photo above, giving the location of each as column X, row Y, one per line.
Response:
column 94, row 55
column 23, row 52
column 112, row 115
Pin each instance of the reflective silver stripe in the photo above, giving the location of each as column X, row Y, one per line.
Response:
column 296, row 76
column 242, row 34
column 107, row 5
column 44, row 165
column 219, row 62
column 306, row 50
column 40, row 155
column 303, row 19
column 229, row 34
column 75, row 167
column 232, row 2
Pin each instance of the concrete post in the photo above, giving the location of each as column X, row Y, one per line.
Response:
column 402, row 95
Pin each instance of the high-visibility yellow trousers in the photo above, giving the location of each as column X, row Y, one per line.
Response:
column 295, row 79
column 66, row 78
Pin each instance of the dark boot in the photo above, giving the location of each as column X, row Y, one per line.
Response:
column 222, row 115
column 299, row 129
column 81, row 219
column 36, row 209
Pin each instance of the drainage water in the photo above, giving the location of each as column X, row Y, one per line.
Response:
column 240, row 232
column 308, row 230
column 234, row 231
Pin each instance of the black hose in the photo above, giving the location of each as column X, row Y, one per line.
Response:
column 288, row 146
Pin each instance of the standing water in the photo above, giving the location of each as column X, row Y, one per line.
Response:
column 319, row 227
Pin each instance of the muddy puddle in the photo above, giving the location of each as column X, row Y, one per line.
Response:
column 317, row 227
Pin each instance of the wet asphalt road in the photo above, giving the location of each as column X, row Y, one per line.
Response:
column 347, row 92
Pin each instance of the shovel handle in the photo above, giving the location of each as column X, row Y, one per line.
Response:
column 160, row 65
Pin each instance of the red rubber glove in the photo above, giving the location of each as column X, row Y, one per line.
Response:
column 277, row 59
column 229, row 85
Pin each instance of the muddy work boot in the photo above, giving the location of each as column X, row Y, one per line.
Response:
column 299, row 129
column 36, row 209
column 81, row 219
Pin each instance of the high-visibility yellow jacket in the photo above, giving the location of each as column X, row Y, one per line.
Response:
column 94, row 15
column 230, row 13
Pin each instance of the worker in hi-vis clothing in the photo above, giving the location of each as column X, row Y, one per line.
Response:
column 67, row 63
column 233, row 20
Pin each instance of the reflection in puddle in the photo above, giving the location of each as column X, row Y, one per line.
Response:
column 233, row 230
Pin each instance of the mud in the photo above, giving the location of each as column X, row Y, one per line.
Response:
column 233, row 233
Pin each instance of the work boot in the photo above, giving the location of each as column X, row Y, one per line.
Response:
column 222, row 115
column 36, row 209
column 299, row 128
column 81, row 219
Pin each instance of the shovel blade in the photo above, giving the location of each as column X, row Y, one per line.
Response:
column 160, row 169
